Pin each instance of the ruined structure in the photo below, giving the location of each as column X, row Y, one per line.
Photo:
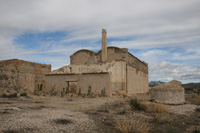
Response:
column 18, row 76
column 112, row 71
column 169, row 93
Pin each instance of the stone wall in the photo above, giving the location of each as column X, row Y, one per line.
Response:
column 168, row 96
column 168, row 93
column 18, row 75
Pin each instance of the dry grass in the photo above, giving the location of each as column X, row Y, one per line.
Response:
column 157, row 108
column 136, row 105
column 37, row 101
column 162, row 117
column 196, row 99
column 129, row 125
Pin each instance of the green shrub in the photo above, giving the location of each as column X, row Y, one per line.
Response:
column 135, row 104
column 79, row 92
column 67, row 90
column 9, row 95
column 196, row 130
column 52, row 91
column 89, row 90
column 103, row 92
column 63, row 92
column 24, row 94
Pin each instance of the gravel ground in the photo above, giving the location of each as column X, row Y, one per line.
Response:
column 82, row 115
column 49, row 115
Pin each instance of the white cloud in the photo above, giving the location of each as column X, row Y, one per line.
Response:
column 145, row 25
column 167, row 71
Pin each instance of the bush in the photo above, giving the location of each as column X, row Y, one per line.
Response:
column 79, row 92
column 63, row 92
column 24, row 94
column 9, row 95
column 67, row 90
column 135, row 104
column 129, row 125
column 162, row 118
column 158, row 108
column 103, row 92
column 197, row 99
column 197, row 109
column 89, row 90
column 196, row 130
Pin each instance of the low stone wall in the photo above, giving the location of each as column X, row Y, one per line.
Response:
column 168, row 96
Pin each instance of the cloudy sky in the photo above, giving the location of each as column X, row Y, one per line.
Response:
column 164, row 33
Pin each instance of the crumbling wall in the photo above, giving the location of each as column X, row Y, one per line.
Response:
column 89, row 57
column 168, row 93
column 168, row 96
column 56, row 83
column 83, row 57
column 115, row 53
column 117, row 70
column 18, row 75
column 136, row 63
column 137, row 81
column 96, row 82
column 118, row 74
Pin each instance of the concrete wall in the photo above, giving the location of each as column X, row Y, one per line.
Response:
column 89, row 57
column 136, row 63
column 19, row 74
column 117, row 70
column 97, row 82
column 83, row 57
column 127, row 72
column 58, row 82
column 115, row 53
column 168, row 96
column 137, row 81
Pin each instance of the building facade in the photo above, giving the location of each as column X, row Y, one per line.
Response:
column 112, row 70
column 18, row 75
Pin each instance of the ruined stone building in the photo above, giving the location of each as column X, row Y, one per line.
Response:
column 18, row 76
column 112, row 70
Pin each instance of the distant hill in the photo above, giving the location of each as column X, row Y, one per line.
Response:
column 192, row 86
column 188, row 86
column 154, row 83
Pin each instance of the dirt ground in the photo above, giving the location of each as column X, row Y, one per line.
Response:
column 87, row 115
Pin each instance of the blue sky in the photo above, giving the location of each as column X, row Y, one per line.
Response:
column 163, row 33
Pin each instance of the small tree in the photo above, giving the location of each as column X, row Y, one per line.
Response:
column 67, row 90
column 89, row 90
column 63, row 92
column 103, row 92
column 79, row 91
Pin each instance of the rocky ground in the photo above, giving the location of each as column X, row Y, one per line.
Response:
column 88, row 115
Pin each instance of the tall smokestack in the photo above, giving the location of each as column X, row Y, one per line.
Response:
column 104, row 46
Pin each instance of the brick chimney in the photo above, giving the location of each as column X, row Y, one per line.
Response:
column 104, row 46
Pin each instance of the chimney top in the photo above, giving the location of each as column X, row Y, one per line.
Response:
column 104, row 30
